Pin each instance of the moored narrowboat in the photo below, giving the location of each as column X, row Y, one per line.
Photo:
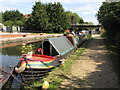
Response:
column 45, row 58
column 76, row 40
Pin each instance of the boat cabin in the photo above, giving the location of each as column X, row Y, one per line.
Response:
column 56, row 46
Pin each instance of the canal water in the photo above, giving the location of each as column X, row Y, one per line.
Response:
column 10, row 57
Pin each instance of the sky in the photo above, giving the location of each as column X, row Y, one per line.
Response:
column 86, row 9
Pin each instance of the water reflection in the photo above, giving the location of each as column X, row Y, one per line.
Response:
column 11, row 51
column 10, row 56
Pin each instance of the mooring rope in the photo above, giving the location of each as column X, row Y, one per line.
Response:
column 17, row 78
column 32, row 69
column 13, row 76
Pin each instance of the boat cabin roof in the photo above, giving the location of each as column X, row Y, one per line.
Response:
column 56, row 46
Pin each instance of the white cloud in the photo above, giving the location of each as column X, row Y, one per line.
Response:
column 87, row 13
column 4, row 9
column 16, row 5
column 89, row 19
column 86, row 7
column 66, row 8
column 74, row 1
column 62, row 1
column 14, row 1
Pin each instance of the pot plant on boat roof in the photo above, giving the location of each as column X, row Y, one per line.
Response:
column 27, row 50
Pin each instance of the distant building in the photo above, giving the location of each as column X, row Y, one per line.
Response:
column 27, row 15
column 112, row 0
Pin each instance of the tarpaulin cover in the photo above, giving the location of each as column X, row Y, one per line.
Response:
column 61, row 44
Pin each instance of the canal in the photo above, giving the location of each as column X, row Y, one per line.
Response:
column 10, row 57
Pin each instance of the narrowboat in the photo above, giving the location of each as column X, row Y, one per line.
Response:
column 76, row 40
column 45, row 58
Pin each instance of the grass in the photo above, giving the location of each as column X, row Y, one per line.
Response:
column 59, row 73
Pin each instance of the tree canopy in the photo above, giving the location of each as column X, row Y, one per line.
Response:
column 39, row 18
column 1, row 17
column 51, row 17
column 57, row 17
column 74, row 18
column 11, row 17
column 47, row 18
column 109, row 17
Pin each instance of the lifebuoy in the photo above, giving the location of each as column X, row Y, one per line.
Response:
column 40, row 50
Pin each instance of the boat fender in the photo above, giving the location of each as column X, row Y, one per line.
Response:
column 20, row 69
column 62, row 62
column 45, row 85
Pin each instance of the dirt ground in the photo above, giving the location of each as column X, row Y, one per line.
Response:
column 93, row 69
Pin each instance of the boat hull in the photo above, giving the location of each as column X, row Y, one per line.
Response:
column 38, row 68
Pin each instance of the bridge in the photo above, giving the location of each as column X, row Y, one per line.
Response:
column 85, row 26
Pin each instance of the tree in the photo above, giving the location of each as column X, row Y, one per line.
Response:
column 12, row 16
column 38, row 19
column 50, row 17
column 91, row 23
column 74, row 18
column 1, row 18
column 8, row 23
column 81, row 21
column 57, row 17
column 19, row 23
column 109, row 16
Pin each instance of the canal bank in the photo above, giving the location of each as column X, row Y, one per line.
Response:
column 25, row 38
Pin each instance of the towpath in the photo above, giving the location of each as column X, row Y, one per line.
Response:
column 93, row 69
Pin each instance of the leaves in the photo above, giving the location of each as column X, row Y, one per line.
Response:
column 27, row 48
column 48, row 18
column 13, row 17
column 57, row 17
column 39, row 18
column 109, row 17
column 74, row 18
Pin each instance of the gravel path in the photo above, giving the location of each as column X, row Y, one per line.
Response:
column 93, row 69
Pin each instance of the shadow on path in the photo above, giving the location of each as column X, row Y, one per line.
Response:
column 94, row 69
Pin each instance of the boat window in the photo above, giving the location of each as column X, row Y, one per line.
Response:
column 46, row 48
